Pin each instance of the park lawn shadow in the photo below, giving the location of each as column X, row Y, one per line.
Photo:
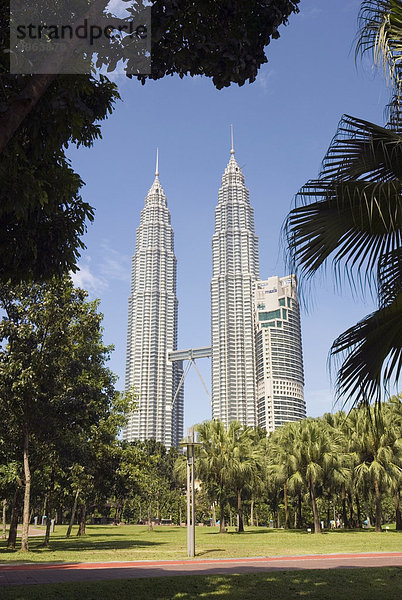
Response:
column 358, row 583
column 84, row 544
column 77, row 545
column 203, row 552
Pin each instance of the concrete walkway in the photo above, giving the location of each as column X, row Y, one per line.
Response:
column 34, row 573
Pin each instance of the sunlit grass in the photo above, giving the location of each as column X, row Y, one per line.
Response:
column 131, row 542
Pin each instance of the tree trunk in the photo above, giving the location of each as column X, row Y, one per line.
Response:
column 4, row 519
column 213, row 514
column 150, row 517
column 12, row 534
column 44, row 510
column 351, row 511
column 72, row 518
column 27, row 493
column 252, row 513
column 367, row 513
column 83, row 518
column 47, row 533
column 398, row 515
column 180, row 513
column 344, row 513
column 377, row 506
column 240, row 512
column 299, row 511
column 317, row 527
column 285, row 499
column 222, row 528
column 359, row 516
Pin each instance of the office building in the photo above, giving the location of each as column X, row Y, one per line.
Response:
column 279, row 358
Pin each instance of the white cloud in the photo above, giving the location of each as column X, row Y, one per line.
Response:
column 264, row 78
column 313, row 12
column 86, row 280
column 110, row 266
column 114, row 265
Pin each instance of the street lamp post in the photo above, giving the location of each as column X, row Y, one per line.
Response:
column 190, row 443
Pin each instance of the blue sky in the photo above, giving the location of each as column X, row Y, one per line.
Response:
column 283, row 124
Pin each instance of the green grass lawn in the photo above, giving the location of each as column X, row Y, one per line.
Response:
column 342, row 584
column 134, row 542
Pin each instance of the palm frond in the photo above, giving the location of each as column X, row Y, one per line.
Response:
column 394, row 114
column 390, row 277
column 380, row 24
column 353, row 211
column 373, row 351
column 362, row 150
column 355, row 222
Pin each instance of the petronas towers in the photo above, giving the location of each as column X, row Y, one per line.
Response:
column 152, row 327
column 240, row 340
column 234, row 273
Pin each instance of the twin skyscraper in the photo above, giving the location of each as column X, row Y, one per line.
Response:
column 257, row 362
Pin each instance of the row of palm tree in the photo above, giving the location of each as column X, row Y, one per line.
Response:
column 335, row 459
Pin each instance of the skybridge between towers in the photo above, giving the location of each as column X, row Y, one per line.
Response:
column 190, row 355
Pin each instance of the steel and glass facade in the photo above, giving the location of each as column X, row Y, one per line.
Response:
column 152, row 327
column 235, row 270
column 279, row 357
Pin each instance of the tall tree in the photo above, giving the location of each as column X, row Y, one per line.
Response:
column 245, row 463
column 214, row 463
column 315, row 453
column 280, row 467
column 52, row 367
column 376, row 439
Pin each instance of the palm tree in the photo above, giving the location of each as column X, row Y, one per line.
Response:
column 228, row 461
column 215, row 463
column 243, row 454
column 395, row 416
column 342, row 482
column 352, row 215
column 315, row 453
column 376, row 439
column 283, row 444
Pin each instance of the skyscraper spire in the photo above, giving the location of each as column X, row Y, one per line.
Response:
column 234, row 273
column 152, row 327
column 231, row 139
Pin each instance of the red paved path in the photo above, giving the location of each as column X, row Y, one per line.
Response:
column 68, row 572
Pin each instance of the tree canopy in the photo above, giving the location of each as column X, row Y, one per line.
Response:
column 42, row 216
